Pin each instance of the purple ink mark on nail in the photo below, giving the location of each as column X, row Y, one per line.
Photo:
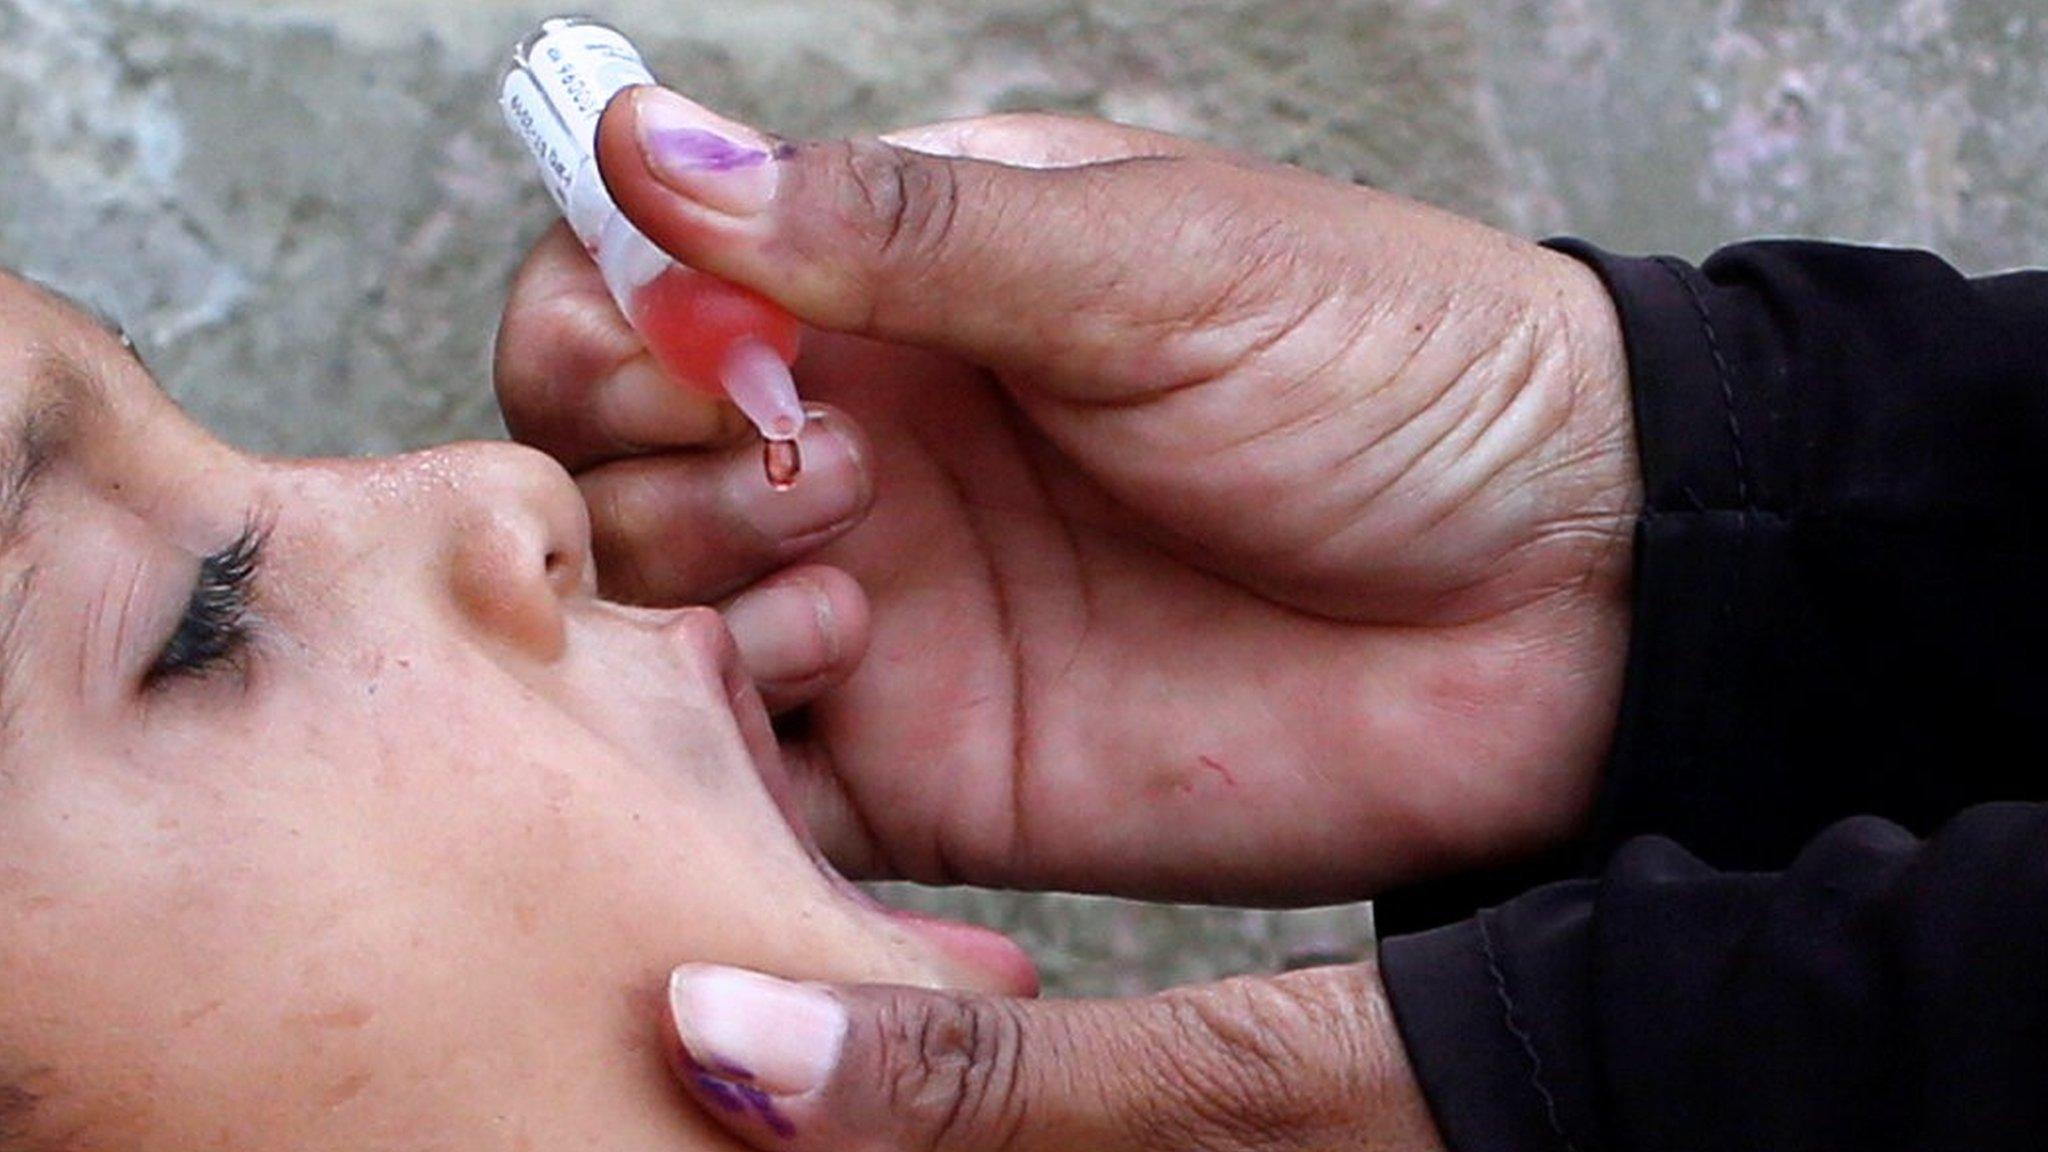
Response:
column 724, row 1095
column 731, row 1087
column 765, row 1109
column 697, row 150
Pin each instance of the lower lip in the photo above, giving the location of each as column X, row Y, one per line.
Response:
column 1000, row 963
column 984, row 951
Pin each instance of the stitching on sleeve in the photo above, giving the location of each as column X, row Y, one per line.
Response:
column 1521, row 1034
column 1722, row 373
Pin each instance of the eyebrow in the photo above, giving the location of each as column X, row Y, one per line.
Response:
column 40, row 431
column 33, row 435
column 58, row 386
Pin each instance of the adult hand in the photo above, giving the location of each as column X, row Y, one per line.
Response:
column 800, row 628
column 1307, row 1061
column 1237, row 534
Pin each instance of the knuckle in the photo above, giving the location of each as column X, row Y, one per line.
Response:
column 624, row 518
column 953, row 1066
column 617, row 501
column 552, row 351
column 1251, row 1074
column 908, row 203
column 1266, row 257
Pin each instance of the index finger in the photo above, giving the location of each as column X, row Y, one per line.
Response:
column 573, row 378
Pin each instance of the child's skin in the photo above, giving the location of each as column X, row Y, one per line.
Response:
column 394, row 845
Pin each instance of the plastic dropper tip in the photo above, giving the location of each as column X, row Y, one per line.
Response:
column 760, row 384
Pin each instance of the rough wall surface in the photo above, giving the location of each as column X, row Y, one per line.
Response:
column 305, row 211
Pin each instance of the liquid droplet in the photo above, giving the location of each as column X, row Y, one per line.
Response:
column 783, row 460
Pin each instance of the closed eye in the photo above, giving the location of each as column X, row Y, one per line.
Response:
column 214, row 632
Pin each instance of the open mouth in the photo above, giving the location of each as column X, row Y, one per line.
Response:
column 973, row 956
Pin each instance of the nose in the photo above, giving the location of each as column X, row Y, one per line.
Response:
column 515, row 537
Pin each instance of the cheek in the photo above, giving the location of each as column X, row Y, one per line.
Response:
column 429, row 918
column 267, row 966
column 191, row 973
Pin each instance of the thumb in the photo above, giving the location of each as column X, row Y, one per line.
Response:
column 1309, row 1060
column 1054, row 266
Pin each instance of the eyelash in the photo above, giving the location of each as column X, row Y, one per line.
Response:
column 215, row 630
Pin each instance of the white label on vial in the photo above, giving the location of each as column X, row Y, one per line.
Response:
column 580, row 68
column 553, row 98
column 535, row 123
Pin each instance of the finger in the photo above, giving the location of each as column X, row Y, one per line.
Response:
column 799, row 633
column 691, row 527
column 1042, row 140
column 820, row 798
column 575, row 380
column 1310, row 1060
column 1068, row 276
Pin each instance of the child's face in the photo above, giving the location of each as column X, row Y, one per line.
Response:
column 335, row 812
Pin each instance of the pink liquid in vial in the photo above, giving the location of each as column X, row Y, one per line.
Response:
column 693, row 323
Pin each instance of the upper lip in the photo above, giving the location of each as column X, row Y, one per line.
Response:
column 704, row 638
column 694, row 643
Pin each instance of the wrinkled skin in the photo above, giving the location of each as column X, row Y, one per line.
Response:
column 1236, row 534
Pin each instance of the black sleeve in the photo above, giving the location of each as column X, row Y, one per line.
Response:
column 1840, row 585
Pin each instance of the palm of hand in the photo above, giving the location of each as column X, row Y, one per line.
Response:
column 1061, row 692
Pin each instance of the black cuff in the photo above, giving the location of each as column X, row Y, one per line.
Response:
column 1837, row 565
column 1706, row 376
column 1713, row 576
column 1699, row 745
column 1502, row 1071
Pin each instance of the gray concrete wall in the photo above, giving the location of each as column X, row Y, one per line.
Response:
column 305, row 210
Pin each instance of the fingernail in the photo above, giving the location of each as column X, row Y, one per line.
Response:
column 784, row 631
column 831, row 491
column 744, row 1028
column 725, row 166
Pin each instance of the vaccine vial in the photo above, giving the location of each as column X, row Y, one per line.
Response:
column 705, row 331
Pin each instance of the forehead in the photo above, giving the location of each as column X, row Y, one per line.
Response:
column 51, row 355
column 57, row 355
column 38, row 319
column 72, row 391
